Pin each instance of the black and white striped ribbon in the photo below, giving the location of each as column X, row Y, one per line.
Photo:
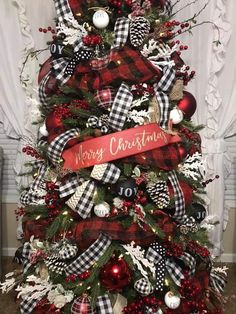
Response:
column 56, row 147
column 179, row 197
column 161, row 91
column 82, row 200
column 121, row 31
column 156, row 253
column 62, row 8
column 107, row 173
column 42, row 89
column 90, row 256
column 120, row 108
column 103, row 305
column 217, row 280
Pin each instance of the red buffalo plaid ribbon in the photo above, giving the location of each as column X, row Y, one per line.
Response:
column 126, row 65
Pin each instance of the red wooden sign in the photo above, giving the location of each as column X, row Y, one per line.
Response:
column 117, row 145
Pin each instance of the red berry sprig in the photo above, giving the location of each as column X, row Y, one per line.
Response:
column 210, row 180
column 48, row 29
column 138, row 306
column 173, row 249
column 31, row 151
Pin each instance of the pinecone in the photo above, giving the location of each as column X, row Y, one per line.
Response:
column 159, row 193
column 139, row 29
column 55, row 264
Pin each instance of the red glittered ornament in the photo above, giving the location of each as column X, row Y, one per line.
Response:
column 82, row 305
column 115, row 275
column 187, row 104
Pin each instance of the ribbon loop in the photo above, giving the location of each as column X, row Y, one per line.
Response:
column 107, row 173
column 90, row 256
column 121, row 31
column 103, row 305
column 179, row 197
column 161, row 90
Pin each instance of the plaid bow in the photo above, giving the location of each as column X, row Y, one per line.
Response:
column 156, row 253
column 103, row 305
column 69, row 186
column 179, row 197
column 161, row 90
column 121, row 31
column 143, row 286
column 189, row 262
column 59, row 70
column 90, row 256
column 28, row 304
column 120, row 108
column 57, row 146
column 42, row 89
column 107, row 173
column 26, row 252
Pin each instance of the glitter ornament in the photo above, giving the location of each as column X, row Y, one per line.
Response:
column 176, row 116
column 82, row 305
column 100, row 19
column 172, row 301
column 102, row 209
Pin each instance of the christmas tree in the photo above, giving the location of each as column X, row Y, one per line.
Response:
column 114, row 220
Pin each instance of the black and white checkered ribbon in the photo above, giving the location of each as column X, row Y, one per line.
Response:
column 28, row 304
column 82, row 200
column 107, row 173
column 161, row 91
column 156, row 253
column 26, row 252
column 56, row 147
column 33, row 195
column 59, row 66
column 62, row 8
column 121, row 31
column 217, row 280
column 90, row 256
column 69, row 186
column 120, row 108
column 179, row 197
column 103, row 305
column 42, row 89
column 189, row 262
column 67, row 250
column 143, row 286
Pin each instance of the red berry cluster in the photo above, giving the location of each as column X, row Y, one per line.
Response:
column 83, row 276
column 173, row 249
column 20, row 211
column 92, row 40
column 182, row 27
column 63, row 111
column 194, row 138
column 48, row 29
column 29, row 150
column 52, row 199
column 120, row 6
column 138, row 306
column 140, row 90
column 196, row 248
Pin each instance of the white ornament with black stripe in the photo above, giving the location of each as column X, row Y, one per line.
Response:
column 102, row 209
column 101, row 19
column 172, row 301
column 55, row 264
column 158, row 192
column 139, row 29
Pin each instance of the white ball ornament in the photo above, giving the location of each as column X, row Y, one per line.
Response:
column 100, row 19
column 172, row 301
column 176, row 115
column 43, row 130
column 102, row 209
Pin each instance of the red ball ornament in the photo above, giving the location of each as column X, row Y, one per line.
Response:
column 182, row 151
column 105, row 97
column 82, row 305
column 188, row 105
column 115, row 275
